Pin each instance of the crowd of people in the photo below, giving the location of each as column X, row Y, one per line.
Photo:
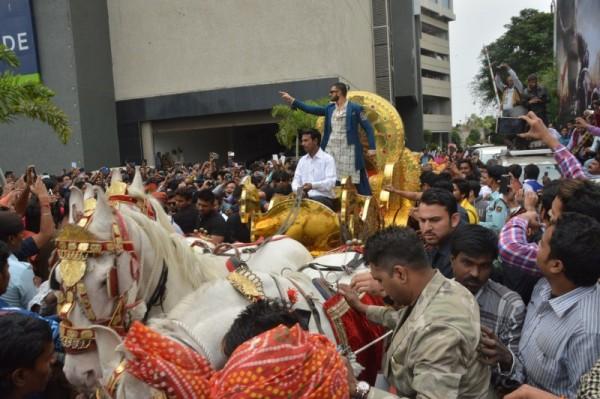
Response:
column 492, row 287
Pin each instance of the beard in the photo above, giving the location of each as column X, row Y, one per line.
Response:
column 334, row 98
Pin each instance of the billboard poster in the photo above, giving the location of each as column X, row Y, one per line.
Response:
column 578, row 55
column 17, row 33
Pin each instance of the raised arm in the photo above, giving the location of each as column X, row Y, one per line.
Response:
column 515, row 79
column 567, row 163
column 311, row 109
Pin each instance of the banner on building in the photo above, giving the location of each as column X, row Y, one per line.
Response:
column 577, row 33
column 17, row 33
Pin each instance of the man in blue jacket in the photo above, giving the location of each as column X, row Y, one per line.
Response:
column 341, row 137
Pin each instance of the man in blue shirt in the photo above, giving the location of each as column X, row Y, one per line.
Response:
column 341, row 135
column 497, row 211
column 20, row 288
column 560, row 339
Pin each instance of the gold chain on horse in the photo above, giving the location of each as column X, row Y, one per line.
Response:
column 75, row 245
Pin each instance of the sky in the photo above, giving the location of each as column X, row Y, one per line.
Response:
column 478, row 22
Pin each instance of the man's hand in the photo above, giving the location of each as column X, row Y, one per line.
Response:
column 492, row 351
column 390, row 188
column 364, row 282
column 352, row 298
column 581, row 123
column 538, row 131
column 529, row 392
column 39, row 188
column 286, row 97
column 307, row 187
column 530, row 201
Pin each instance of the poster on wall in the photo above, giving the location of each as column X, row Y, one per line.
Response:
column 17, row 33
column 577, row 55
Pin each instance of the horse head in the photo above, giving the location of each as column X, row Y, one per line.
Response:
column 98, row 273
column 113, row 269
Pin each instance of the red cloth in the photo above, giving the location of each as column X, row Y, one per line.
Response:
column 355, row 330
column 166, row 364
column 283, row 363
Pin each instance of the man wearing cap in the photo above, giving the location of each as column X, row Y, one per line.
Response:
column 497, row 211
column 535, row 97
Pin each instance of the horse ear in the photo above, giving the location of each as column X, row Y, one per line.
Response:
column 88, row 192
column 137, row 183
column 116, row 176
column 75, row 204
column 102, row 221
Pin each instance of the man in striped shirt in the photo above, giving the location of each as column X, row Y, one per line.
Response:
column 501, row 310
column 515, row 251
column 560, row 340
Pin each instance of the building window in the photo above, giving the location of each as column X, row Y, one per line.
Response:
column 433, row 54
column 434, row 75
column 434, row 31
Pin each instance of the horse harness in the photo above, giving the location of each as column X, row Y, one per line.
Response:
column 74, row 246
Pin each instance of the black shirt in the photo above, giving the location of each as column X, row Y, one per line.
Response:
column 236, row 230
column 213, row 224
column 186, row 219
column 440, row 258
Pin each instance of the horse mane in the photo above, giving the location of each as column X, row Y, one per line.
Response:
column 161, row 216
column 173, row 250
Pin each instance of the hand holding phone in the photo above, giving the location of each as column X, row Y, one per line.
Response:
column 510, row 126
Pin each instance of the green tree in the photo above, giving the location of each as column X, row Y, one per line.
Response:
column 455, row 137
column 474, row 137
column 527, row 46
column 19, row 97
column 290, row 121
column 549, row 78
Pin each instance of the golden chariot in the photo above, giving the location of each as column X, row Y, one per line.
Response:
column 321, row 229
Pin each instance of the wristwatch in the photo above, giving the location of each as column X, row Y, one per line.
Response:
column 362, row 390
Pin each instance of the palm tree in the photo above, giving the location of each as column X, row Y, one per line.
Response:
column 19, row 97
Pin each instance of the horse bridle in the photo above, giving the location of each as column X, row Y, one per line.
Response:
column 74, row 246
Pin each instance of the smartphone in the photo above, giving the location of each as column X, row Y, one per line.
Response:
column 275, row 157
column 31, row 174
column 504, row 184
column 231, row 154
column 510, row 126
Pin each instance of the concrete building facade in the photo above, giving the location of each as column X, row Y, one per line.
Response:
column 138, row 77
column 412, row 63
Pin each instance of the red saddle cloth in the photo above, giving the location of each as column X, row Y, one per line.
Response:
column 355, row 330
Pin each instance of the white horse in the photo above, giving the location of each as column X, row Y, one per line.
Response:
column 155, row 252
column 195, row 322
column 153, row 246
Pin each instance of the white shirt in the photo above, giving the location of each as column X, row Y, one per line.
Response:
column 508, row 99
column 319, row 171
column 20, row 288
column 338, row 146
column 485, row 191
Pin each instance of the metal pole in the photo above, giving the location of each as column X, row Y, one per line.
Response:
column 487, row 57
